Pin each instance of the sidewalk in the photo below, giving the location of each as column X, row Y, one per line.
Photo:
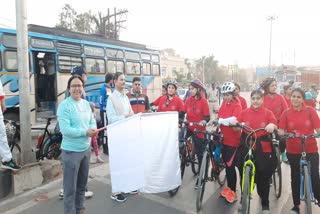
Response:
column 45, row 199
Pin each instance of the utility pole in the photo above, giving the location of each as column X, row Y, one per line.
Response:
column 28, row 155
column 271, row 19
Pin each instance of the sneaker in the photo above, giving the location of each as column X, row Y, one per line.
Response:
column 10, row 165
column 61, row 194
column 225, row 192
column 100, row 160
column 88, row 194
column 133, row 192
column 295, row 210
column 231, row 197
column 284, row 157
column 118, row 197
column 265, row 210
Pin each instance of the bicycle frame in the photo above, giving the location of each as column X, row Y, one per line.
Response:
column 304, row 162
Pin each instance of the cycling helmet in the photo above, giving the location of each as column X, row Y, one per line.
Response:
column 308, row 95
column 78, row 70
column 197, row 84
column 172, row 82
column 228, row 87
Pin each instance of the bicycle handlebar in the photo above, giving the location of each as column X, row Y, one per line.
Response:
column 247, row 128
column 295, row 135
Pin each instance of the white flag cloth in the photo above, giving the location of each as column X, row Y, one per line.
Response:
column 144, row 153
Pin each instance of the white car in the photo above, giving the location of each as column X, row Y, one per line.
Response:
column 182, row 93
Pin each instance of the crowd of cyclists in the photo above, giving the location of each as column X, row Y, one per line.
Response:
column 276, row 113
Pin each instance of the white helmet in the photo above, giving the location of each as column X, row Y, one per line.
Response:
column 228, row 87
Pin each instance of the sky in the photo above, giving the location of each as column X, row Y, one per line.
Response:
column 234, row 31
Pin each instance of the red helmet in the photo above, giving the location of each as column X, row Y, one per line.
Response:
column 197, row 84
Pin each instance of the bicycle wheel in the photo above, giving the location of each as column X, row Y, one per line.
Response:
column 15, row 151
column 51, row 148
column 246, row 191
column 307, row 193
column 277, row 176
column 173, row 192
column 193, row 158
column 202, row 178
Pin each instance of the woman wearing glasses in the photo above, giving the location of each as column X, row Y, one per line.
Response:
column 77, row 126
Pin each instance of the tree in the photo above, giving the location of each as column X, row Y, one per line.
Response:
column 108, row 25
column 67, row 17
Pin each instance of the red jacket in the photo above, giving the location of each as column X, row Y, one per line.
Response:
column 304, row 122
column 231, row 137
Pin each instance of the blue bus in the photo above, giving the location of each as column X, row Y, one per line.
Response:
column 52, row 54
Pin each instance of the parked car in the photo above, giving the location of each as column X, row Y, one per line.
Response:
column 182, row 93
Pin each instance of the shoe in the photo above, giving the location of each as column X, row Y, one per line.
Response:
column 265, row 210
column 231, row 197
column 133, row 192
column 295, row 210
column 88, row 194
column 10, row 165
column 239, row 207
column 100, row 160
column 225, row 192
column 118, row 197
column 61, row 194
column 284, row 157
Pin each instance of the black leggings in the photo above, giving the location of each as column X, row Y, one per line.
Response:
column 227, row 153
column 294, row 160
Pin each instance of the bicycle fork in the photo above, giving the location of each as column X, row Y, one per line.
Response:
column 253, row 172
column 302, row 177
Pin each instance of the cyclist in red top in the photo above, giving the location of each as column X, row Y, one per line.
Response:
column 197, row 110
column 257, row 116
column 164, row 93
column 303, row 120
column 243, row 101
column 275, row 103
column 229, row 107
column 287, row 91
column 309, row 101
column 171, row 102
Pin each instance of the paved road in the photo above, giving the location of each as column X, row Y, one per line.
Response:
column 45, row 200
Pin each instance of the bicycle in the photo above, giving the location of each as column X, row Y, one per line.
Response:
column 249, row 168
column 306, row 192
column 211, row 155
column 277, row 174
column 13, row 136
column 48, row 144
column 186, row 154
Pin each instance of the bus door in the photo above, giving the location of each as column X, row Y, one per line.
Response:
column 45, row 81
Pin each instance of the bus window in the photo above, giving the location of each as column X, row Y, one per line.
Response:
column 95, row 65
column 156, row 70
column 114, row 53
column 10, row 41
column 10, row 60
column 67, row 62
column 115, row 66
column 146, row 69
column 133, row 68
column 132, row 55
column 155, row 58
column 145, row 57
column 0, row 62
column 93, row 51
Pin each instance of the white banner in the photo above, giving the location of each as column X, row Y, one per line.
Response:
column 144, row 153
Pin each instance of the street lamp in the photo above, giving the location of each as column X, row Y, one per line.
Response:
column 271, row 19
